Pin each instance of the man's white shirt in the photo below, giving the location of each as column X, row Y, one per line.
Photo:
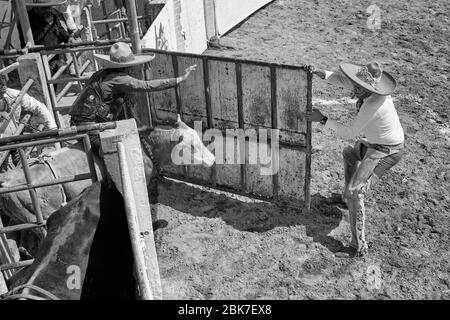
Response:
column 40, row 113
column 377, row 119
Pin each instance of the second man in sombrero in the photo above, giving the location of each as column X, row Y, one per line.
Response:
column 106, row 94
column 380, row 149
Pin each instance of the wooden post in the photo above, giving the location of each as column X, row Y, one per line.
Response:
column 126, row 133
column 21, row 11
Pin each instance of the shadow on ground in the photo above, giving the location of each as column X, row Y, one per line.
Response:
column 325, row 215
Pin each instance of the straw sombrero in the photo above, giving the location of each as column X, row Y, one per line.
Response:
column 370, row 77
column 44, row 3
column 121, row 56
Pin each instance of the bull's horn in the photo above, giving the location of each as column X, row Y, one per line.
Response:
column 178, row 118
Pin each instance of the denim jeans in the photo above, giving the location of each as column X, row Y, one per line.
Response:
column 364, row 163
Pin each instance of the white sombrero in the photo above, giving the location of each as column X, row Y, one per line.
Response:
column 121, row 56
column 45, row 3
column 371, row 77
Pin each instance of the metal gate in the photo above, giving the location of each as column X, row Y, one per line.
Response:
column 227, row 93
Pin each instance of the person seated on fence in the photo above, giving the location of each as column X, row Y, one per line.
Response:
column 107, row 93
column 371, row 157
column 8, row 119
column 49, row 27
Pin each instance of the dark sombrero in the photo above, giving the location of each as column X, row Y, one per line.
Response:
column 371, row 77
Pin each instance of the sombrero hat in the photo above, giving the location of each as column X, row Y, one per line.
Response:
column 44, row 3
column 370, row 77
column 121, row 56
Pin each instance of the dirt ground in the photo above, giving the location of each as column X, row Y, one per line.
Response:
column 221, row 247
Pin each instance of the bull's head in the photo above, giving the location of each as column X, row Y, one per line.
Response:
column 190, row 148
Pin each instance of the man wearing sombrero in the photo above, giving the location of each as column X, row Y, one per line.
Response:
column 372, row 156
column 106, row 94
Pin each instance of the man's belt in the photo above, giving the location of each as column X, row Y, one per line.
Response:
column 386, row 148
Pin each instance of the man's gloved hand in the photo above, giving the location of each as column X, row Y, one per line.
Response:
column 187, row 73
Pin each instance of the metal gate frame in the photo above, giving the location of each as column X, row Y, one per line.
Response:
column 306, row 147
column 36, row 139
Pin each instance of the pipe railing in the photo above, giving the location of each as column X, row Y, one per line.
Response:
column 44, row 138
column 9, row 68
column 40, row 48
column 16, row 104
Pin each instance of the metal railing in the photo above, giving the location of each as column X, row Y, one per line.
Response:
column 36, row 139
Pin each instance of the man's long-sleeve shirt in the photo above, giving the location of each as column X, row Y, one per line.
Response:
column 40, row 113
column 121, row 82
column 116, row 86
column 377, row 119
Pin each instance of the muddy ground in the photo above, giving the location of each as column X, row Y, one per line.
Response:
column 221, row 247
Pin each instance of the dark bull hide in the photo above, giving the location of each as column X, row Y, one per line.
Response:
column 87, row 252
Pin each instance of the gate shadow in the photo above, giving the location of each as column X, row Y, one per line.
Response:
column 256, row 216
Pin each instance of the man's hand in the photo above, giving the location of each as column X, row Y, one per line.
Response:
column 314, row 116
column 187, row 73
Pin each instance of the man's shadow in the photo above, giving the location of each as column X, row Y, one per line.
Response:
column 325, row 214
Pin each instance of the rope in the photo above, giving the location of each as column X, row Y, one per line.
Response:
column 13, row 295
column 42, row 160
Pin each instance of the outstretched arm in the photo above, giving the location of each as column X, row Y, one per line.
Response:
column 128, row 83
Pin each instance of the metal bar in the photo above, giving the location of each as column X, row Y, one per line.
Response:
column 241, row 125
column 77, row 69
column 68, row 79
column 22, row 187
column 51, row 56
column 209, row 112
column 16, row 265
column 5, row 252
column 21, row 227
column 18, row 131
column 106, row 21
column 178, row 99
column 64, row 67
column 79, row 49
column 177, row 87
column 274, row 105
column 29, row 180
column 105, row 15
column 21, row 11
column 225, row 59
column 54, row 104
column 16, row 104
column 134, row 29
column 9, row 68
column 133, row 227
column 67, row 87
column 123, row 30
column 308, row 143
column 71, row 133
column 90, row 158
column 40, row 48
